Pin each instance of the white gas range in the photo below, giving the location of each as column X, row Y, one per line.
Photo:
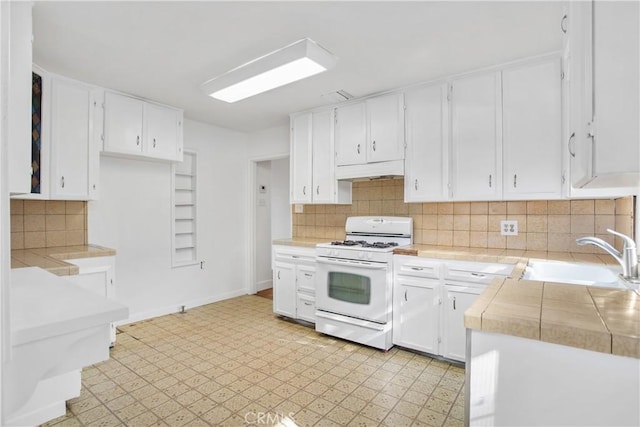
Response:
column 354, row 280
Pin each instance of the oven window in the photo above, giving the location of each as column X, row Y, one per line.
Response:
column 350, row 287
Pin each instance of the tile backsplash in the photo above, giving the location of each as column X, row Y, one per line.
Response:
column 47, row 223
column 542, row 225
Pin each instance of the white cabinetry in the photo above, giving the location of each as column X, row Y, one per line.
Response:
column 602, row 63
column 74, row 173
column 370, row 137
column 532, row 130
column 313, row 160
column 426, row 176
column 17, row 50
column 133, row 127
column 477, row 137
column 294, row 282
column 97, row 275
column 429, row 300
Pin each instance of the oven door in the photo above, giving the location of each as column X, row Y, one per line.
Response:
column 359, row 289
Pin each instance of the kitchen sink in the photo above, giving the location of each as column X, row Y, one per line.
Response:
column 574, row 273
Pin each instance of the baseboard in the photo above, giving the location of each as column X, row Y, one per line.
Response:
column 145, row 315
column 265, row 284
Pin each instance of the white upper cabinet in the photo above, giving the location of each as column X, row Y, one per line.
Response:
column 133, row 127
column 532, row 130
column 122, row 124
column 301, row 167
column 351, row 134
column 427, row 124
column 476, row 137
column 313, row 160
column 385, row 119
column 16, row 16
column 72, row 107
column 602, row 66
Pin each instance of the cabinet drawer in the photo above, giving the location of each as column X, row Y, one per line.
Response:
column 476, row 272
column 306, row 279
column 414, row 266
column 306, row 308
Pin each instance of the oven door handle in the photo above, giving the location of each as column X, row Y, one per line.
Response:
column 352, row 263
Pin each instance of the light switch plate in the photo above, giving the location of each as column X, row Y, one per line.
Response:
column 509, row 227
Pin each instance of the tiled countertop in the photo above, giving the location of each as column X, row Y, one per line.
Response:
column 307, row 242
column 51, row 259
column 599, row 319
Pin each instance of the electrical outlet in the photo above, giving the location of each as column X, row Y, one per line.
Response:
column 299, row 208
column 509, row 227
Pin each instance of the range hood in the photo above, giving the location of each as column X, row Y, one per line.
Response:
column 389, row 169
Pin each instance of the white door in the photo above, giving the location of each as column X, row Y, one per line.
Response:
column 416, row 313
column 284, row 289
column 476, row 137
column 457, row 300
column 351, row 134
column 385, row 116
column 70, row 138
column 532, row 130
column 162, row 132
column 426, row 161
column 323, row 157
column 301, row 167
column 122, row 124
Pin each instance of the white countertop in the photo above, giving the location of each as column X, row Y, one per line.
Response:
column 45, row 305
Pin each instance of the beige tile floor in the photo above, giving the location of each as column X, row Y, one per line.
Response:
column 234, row 363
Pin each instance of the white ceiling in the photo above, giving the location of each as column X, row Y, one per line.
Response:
column 164, row 50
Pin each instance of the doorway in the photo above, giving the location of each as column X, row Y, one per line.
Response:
column 270, row 217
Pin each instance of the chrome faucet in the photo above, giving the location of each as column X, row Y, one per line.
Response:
column 628, row 258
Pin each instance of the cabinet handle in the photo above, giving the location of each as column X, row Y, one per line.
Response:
column 308, row 274
column 415, row 185
column 154, row 143
column 478, row 275
column 417, row 268
column 515, row 180
column 374, row 146
column 570, row 145
column 358, row 148
column 318, row 190
column 489, row 180
column 278, row 274
column 563, row 23
column 454, row 303
column 304, row 190
column 138, row 140
column 405, row 295
column 307, row 303
column 62, row 182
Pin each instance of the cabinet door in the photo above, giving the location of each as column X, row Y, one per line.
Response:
column 532, row 129
column 18, row 107
column 426, row 171
column 306, row 279
column 162, row 132
column 415, row 314
column 301, row 167
column 454, row 335
column 323, row 157
column 351, row 134
column 284, row 289
column 476, row 137
column 616, row 86
column 122, row 124
column 385, row 116
column 70, row 139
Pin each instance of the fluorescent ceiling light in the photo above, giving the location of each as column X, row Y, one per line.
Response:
column 297, row 61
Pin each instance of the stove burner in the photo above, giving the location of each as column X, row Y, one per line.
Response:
column 364, row 244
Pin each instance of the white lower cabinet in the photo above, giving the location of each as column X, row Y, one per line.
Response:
column 294, row 282
column 429, row 300
column 97, row 275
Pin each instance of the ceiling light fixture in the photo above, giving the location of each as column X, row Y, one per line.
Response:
column 297, row 61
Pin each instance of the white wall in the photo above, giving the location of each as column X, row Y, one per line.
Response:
column 269, row 142
column 263, row 226
column 133, row 216
column 280, row 207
